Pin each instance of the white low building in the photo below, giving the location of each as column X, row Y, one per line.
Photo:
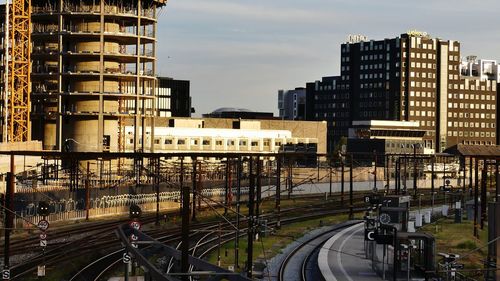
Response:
column 191, row 136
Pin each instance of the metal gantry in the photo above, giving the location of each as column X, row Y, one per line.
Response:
column 19, row 71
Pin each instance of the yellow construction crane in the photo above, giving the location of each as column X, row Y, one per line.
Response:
column 19, row 69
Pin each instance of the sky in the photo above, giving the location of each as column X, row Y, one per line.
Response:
column 239, row 53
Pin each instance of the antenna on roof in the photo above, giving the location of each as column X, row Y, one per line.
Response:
column 471, row 58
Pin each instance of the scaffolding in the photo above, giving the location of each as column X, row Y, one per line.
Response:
column 19, row 53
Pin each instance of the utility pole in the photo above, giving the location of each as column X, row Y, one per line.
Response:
column 330, row 177
column 199, row 184
column 342, row 181
column 250, row 232
column 290, row 177
column 238, row 200
column 156, row 179
column 470, row 176
column 397, row 171
column 433, row 160
column 226, row 188
column 405, row 174
column 259, row 188
column 415, row 175
column 375, row 171
column 278, row 192
column 387, row 173
column 185, row 232
column 497, row 181
column 181, row 181
column 351, row 214
column 219, row 244
column 87, row 192
column 484, row 178
column 194, row 188
column 9, row 207
column 476, row 197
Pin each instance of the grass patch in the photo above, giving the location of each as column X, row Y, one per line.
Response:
column 267, row 247
column 458, row 238
column 467, row 245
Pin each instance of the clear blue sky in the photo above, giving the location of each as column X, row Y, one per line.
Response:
column 240, row 52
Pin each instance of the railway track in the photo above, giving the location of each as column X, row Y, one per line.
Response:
column 288, row 269
column 206, row 243
column 101, row 236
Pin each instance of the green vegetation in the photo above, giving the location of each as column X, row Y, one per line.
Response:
column 459, row 239
column 271, row 245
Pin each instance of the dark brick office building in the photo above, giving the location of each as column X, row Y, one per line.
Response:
column 413, row 77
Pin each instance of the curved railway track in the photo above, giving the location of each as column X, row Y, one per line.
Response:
column 207, row 242
column 101, row 236
column 285, row 269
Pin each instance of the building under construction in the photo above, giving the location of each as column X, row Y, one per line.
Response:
column 93, row 66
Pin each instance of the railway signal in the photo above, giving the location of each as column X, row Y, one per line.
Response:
column 6, row 274
column 135, row 212
column 135, row 225
column 126, row 258
column 43, row 225
column 43, row 208
column 41, row 271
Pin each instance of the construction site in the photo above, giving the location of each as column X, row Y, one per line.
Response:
column 77, row 70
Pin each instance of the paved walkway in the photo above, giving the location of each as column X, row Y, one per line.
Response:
column 342, row 257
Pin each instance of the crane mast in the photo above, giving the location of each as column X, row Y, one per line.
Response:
column 18, row 68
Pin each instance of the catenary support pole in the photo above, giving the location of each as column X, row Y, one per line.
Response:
column 375, row 171
column 87, row 192
column 484, row 178
column 330, row 179
column 185, row 232
column 193, row 180
column 156, row 179
column 342, row 182
column 497, row 180
column 278, row 192
column 226, row 188
column 396, row 176
column 471, row 170
column 259, row 188
column 415, row 172
column 433, row 175
column 238, row 202
column 351, row 213
column 387, row 173
column 476, row 196
column 251, row 217
column 9, row 218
